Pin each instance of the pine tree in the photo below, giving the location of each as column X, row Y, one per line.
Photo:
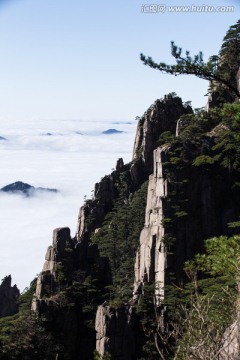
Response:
column 221, row 69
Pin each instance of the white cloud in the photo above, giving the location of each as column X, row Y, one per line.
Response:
column 67, row 161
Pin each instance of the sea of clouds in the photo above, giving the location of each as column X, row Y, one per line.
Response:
column 70, row 156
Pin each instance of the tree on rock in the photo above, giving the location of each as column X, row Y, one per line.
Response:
column 221, row 69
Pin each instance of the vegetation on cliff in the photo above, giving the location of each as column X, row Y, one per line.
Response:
column 118, row 239
column 199, row 307
column 202, row 171
column 201, row 294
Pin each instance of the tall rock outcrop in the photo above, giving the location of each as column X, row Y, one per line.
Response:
column 238, row 79
column 115, row 327
column 151, row 256
column 54, row 255
column 8, row 297
column 206, row 209
column 185, row 205
column 97, row 208
column 70, row 270
column 150, row 263
column 160, row 117
column 103, row 197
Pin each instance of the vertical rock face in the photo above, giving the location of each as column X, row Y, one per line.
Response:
column 102, row 202
column 115, row 327
column 160, row 117
column 97, row 208
column 119, row 165
column 75, row 256
column 55, row 253
column 231, row 339
column 114, row 332
column 238, row 79
column 221, row 94
column 231, row 343
column 217, row 97
column 206, row 214
column 67, row 266
column 151, row 256
column 8, row 297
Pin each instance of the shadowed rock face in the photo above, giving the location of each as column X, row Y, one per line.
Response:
column 8, row 297
column 76, row 261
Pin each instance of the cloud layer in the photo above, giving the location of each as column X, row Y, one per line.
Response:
column 71, row 160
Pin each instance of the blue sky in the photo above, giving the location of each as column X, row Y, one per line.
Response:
column 69, row 59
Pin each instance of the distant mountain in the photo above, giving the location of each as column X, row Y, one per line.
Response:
column 124, row 122
column 112, row 131
column 26, row 189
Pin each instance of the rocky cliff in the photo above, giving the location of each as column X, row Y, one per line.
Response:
column 76, row 257
column 66, row 272
column 161, row 117
column 138, row 280
column 88, row 279
column 151, row 256
column 186, row 204
column 8, row 297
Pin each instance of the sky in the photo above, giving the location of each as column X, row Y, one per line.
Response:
column 72, row 69
column 69, row 59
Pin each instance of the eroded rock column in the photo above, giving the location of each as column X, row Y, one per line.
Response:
column 151, row 256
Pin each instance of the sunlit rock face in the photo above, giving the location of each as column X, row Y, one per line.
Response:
column 55, row 254
column 114, row 332
column 231, row 339
column 220, row 94
column 160, row 117
column 151, row 256
column 238, row 79
column 98, row 207
column 231, row 343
